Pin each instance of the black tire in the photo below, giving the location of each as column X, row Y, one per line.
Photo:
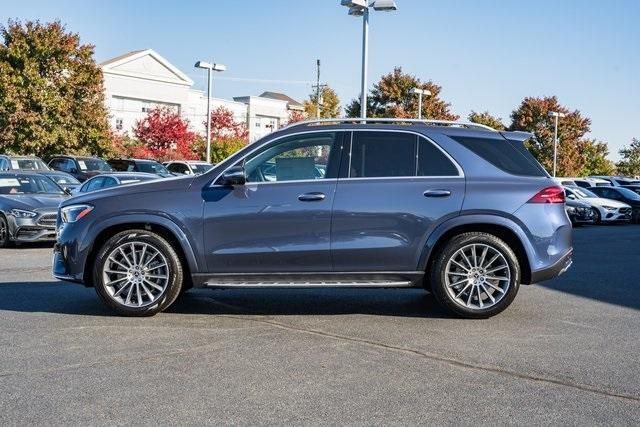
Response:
column 5, row 241
column 598, row 216
column 175, row 272
column 438, row 274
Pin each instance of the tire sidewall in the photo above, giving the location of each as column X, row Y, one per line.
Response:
column 6, row 241
column 175, row 280
column 438, row 274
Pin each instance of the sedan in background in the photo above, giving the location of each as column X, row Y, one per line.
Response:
column 28, row 163
column 607, row 210
column 28, row 207
column 81, row 168
column 623, row 195
column 188, row 167
column 112, row 180
column 579, row 212
column 140, row 165
column 618, row 181
column 64, row 180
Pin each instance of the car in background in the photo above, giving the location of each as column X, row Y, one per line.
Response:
column 29, row 163
column 139, row 165
column 623, row 195
column 64, row 180
column 28, row 207
column 81, row 168
column 565, row 181
column 635, row 188
column 188, row 167
column 113, row 180
column 617, row 181
column 606, row 210
column 579, row 212
column 588, row 182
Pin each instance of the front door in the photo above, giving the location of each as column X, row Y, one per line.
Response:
column 394, row 189
column 280, row 220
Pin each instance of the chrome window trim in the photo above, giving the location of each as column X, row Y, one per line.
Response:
column 418, row 134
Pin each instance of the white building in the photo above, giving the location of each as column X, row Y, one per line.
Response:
column 140, row 80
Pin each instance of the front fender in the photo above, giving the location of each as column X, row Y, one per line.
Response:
column 511, row 223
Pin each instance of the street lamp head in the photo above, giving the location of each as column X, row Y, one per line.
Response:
column 354, row 3
column 556, row 114
column 385, row 5
column 203, row 64
column 416, row 91
column 356, row 11
column 208, row 66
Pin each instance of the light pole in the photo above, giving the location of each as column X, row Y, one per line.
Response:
column 361, row 8
column 209, row 67
column 557, row 115
column 419, row 92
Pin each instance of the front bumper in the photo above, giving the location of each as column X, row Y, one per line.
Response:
column 60, row 265
column 554, row 270
column 38, row 229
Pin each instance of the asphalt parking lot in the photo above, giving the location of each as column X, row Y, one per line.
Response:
column 566, row 352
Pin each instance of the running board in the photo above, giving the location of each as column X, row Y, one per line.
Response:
column 308, row 280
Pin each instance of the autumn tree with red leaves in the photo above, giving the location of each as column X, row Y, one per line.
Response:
column 164, row 135
column 227, row 134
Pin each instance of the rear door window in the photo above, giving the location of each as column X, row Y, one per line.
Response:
column 382, row 154
column 509, row 156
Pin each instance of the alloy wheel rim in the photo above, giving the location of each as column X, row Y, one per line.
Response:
column 477, row 276
column 136, row 274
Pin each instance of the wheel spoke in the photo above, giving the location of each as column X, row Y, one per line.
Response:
column 464, row 256
column 493, row 270
column 459, row 282
column 463, row 289
column 128, row 300
column 156, row 276
column 119, row 291
column 124, row 256
column 469, row 297
column 459, row 265
column 118, row 263
column 495, row 257
column 150, row 259
column 153, row 285
column 486, row 291
column 148, row 292
column 479, row 297
column 483, row 256
column 115, row 272
column 474, row 255
column 113, row 282
column 138, row 294
column 133, row 253
column 494, row 287
column 496, row 278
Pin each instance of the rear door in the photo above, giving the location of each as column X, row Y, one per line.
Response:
column 394, row 189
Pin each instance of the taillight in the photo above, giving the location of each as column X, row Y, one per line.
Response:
column 549, row 195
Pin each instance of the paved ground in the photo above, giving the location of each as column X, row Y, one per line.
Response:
column 567, row 352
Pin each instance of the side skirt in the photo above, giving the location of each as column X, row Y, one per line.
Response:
column 375, row 279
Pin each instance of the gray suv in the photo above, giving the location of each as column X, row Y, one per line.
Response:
column 459, row 209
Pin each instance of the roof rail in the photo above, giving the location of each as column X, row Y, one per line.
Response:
column 452, row 123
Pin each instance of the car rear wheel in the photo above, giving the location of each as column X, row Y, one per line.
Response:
column 475, row 275
column 598, row 216
column 138, row 273
column 4, row 233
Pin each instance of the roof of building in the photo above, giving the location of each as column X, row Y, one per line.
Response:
column 292, row 104
column 115, row 66
column 119, row 57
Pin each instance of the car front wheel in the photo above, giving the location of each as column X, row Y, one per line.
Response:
column 4, row 233
column 138, row 273
column 475, row 275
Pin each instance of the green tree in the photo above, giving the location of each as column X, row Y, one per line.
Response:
column 533, row 116
column 330, row 107
column 595, row 155
column 51, row 92
column 390, row 97
column 485, row 118
column 629, row 163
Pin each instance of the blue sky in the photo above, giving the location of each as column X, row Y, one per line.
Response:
column 487, row 55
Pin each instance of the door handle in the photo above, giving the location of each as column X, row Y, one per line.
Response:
column 437, row 193
column 311, row 197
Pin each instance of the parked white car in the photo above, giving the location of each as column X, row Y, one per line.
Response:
column 606, row 210
column 585, row 182
column 187, row 167
column 617, row 181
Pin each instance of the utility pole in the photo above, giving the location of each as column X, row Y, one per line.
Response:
column 319, row 89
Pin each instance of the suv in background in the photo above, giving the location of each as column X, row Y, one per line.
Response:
column 81, row 168
column 139, row 165
column 459, row 209
column 188, row 167
column 618, row 181
column 26, row 163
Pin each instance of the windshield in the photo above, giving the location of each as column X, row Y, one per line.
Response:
column 583, row 193
column 64, row 179
column 153, row 167
column 199, row 168
column 90, row 164
column 28, row 184
column 631, row 195
column 29, row 164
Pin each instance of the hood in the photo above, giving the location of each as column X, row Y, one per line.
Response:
column 34, row 201
column 599, row 201
column 156, row 185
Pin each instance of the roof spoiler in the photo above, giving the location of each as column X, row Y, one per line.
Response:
column 518, row 136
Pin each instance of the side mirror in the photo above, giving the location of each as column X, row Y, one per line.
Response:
column 571, row 196
column 67, row 190
column 234, row 176
column 73, row 170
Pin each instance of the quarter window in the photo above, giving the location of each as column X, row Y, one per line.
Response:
column 382, row 154
column 433, row 162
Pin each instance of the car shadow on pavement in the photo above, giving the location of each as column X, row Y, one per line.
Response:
column 68, row 298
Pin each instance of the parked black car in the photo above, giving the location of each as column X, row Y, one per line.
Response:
column 64, row 180
column 28, row 207
column 29, row 163
column 140, row 165
column 112, row 180
column 623, row 195
column 633, row 187
column 81, row 168
column 579, row 212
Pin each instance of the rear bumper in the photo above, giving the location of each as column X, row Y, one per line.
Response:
column 553, row 270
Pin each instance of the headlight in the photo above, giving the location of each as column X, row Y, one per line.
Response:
column 571, row 209
column 609, row 208
column 19, row 213
column 74, row 212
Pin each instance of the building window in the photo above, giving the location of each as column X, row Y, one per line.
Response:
column 118, row 124
column 257, row 124
column 146, row 107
